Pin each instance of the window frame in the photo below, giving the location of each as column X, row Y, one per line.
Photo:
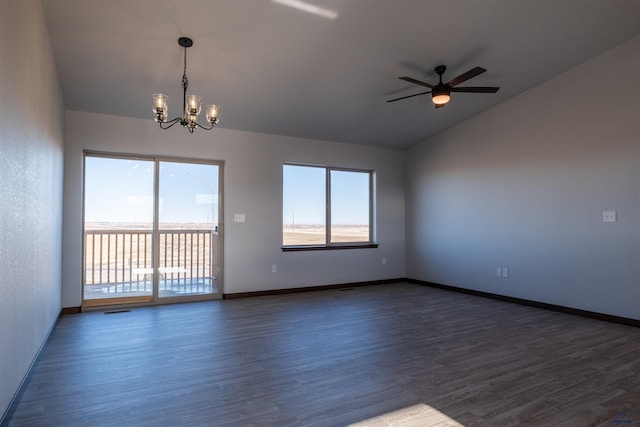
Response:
column 328, row 245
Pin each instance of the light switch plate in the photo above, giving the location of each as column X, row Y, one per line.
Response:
column 609, row 216
column 238, row 218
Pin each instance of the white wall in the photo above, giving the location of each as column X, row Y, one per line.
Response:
column 253, row 186
column 524, row 185
column 31, row 162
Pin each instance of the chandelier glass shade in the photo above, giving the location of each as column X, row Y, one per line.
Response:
column 191, row 104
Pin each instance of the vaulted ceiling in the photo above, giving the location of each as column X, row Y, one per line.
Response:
column 279, row 70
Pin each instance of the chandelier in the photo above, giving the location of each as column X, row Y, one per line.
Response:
column 191, row 104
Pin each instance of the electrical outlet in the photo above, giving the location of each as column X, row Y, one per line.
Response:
column 505, row 272
column 499, row 271
column 274, row 268
column 384, row 261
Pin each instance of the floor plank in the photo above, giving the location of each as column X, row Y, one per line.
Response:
column 395, row 354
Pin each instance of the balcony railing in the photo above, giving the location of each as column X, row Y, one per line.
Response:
column 121, row 261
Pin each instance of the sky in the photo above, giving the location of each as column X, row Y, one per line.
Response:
column 304, row 196
column 121, row 190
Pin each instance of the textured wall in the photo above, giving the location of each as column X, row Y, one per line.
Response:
column 524, row 185
column 253, row 186
column 31, row 162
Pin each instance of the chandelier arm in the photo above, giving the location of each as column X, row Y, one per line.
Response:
column 204, row 127
column 168, row 124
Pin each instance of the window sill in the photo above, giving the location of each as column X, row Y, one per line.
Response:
column 328, row 247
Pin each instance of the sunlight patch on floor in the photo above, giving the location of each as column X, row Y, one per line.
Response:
column 421, row 415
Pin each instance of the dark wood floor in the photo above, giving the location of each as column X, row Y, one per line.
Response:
column 398, row 354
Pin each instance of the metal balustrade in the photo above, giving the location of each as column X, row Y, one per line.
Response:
column 121, row 261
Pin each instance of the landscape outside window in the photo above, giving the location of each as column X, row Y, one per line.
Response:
column 325, row 206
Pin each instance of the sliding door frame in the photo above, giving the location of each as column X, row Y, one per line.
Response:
column 155, row 299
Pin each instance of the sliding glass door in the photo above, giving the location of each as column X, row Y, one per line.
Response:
column 118, row 230
column 188, row 229
column 151, row 230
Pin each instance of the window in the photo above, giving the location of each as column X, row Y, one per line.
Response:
column 326, row 208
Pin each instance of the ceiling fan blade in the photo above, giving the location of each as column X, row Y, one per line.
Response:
column 440, row 105
column 466, row 76
column 476, row 89
column 410, row 96
column 414, row 81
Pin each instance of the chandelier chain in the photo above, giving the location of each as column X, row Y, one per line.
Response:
column 185, row 80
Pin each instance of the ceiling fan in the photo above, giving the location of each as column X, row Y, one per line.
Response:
column 441, row 92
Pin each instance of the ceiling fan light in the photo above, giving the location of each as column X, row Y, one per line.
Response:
column 440, row 98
